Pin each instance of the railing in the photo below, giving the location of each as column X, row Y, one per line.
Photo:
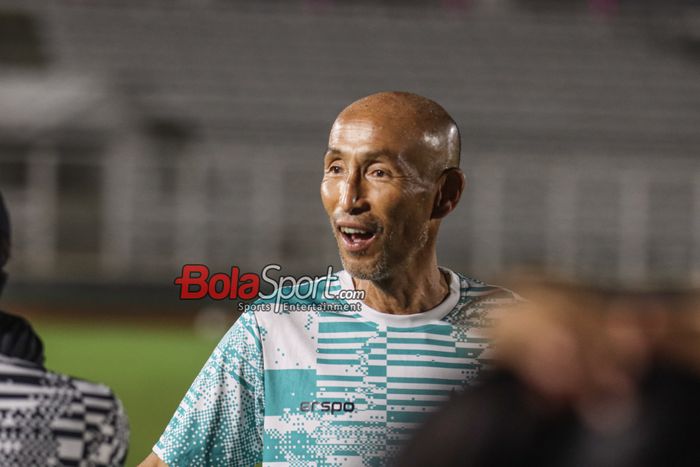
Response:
column 630, row 224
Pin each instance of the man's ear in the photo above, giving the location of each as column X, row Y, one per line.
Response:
column 451, row 186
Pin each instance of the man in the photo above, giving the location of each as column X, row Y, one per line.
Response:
column 334, row 388
column 48, row 418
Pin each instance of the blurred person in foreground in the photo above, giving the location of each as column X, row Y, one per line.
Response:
column 47, row 418
column 348, row 388
column 586, row 378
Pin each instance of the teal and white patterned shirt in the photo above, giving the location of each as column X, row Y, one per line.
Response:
column 329, row 388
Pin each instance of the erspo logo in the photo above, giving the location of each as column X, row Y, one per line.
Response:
column 196, row 282
column 327, row 406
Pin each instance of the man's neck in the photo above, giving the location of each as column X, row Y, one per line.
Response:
column 405, row 294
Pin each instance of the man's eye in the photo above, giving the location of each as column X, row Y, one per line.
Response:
column 334, row 169
column 379, row 173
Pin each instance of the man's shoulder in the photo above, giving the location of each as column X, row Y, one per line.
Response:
column 480, row 302
column 472, row 290
column 90, row 401
column 93, row 389
column 30, row 374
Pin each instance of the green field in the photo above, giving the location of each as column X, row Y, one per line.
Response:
column 149, row 368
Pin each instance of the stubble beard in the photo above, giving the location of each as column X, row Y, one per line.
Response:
column 381, row 269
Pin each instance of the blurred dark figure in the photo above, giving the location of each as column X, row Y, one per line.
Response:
column 48, row 418
column 562, row 397
column 502, row 423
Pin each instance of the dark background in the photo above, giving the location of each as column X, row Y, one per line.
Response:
column 136, row 136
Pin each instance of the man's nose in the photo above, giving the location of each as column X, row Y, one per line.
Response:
column 352, row 196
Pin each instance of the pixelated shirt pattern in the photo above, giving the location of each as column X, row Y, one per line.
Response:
column 278, row 388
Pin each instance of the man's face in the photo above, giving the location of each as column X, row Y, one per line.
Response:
column 378, row 192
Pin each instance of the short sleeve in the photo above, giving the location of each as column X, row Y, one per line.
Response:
column 220, row 420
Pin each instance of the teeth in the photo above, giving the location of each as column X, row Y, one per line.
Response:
column 350, row 230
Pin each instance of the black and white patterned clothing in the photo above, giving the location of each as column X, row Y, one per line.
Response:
column 50, row 419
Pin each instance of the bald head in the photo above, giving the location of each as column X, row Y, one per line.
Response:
column 390, row 175
column 418, row 121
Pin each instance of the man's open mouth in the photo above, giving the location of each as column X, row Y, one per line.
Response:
column 357, row 238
